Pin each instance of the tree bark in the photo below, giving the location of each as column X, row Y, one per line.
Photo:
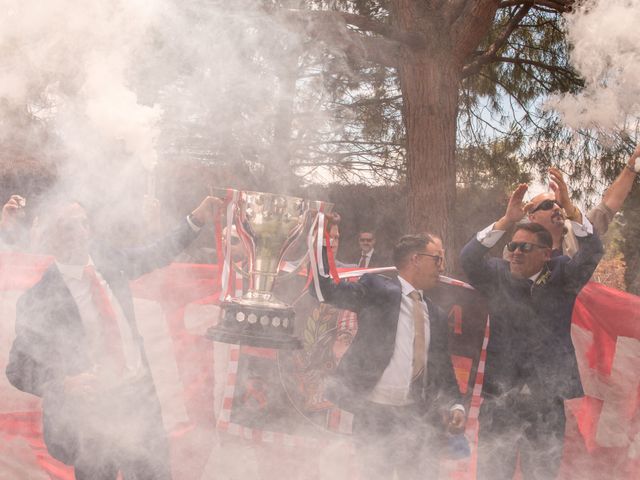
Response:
column 430, row 80
column 429, row 86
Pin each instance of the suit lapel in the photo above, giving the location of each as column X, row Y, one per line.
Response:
column 57, row 292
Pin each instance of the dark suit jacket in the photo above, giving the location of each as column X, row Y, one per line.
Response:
column 377, row 260
column 50, row 343
column 376, row 299
column 530, row 336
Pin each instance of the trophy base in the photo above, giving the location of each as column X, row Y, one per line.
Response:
column 263, row 326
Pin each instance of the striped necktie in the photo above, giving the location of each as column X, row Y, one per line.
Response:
column 111, row 338
column 419, row 357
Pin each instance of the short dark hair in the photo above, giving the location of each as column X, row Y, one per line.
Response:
column 541, row 233
column 408, row 245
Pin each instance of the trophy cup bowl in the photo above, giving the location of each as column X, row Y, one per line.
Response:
column 268, row 224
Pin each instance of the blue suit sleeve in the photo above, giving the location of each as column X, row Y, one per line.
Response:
column 580, row 268
column 137, row 261
column 480, row 270
column 345, row 295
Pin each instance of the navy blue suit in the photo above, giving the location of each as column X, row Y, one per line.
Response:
column 406, row 438
column 376, row 300
column 50, row 345
column 531, row 365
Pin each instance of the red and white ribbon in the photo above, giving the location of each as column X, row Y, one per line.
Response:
column 319, row 237
column 231, row 201
column 318, row 241
column 313, row 257
column 333, row 270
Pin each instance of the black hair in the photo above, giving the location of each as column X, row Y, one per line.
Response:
column 541, row 233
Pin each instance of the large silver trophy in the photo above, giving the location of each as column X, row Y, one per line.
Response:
column 267, row 224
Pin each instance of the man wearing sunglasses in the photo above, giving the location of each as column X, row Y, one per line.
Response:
column 551, row 208
column 531, row 366
column 397, row 377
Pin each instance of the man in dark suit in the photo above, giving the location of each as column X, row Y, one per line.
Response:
column 531, row 365
column 397, row 377
column 78, row 347
column 368, row 257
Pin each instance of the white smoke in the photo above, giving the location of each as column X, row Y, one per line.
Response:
column 73, row 60
column 606, row 52
column 123, row 83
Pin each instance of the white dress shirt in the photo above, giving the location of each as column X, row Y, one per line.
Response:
column 394, row 386
column 80, row 289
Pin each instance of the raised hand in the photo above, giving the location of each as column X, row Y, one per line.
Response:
column 12, row 210
column 515, row 208
column 560, row 189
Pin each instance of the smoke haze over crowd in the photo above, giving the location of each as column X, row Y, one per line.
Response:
column 123, row 85
column 603, row 34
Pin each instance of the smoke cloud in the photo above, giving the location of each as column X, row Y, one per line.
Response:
column 603, row 34
column 122, row 84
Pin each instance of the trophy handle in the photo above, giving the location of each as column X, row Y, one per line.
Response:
column 298, row 267
column 300, row 263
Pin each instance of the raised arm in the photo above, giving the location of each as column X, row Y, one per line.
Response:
column 579, row 270
column 137, row 261
column 478, row 268
column 346, row 295
column 617, row 193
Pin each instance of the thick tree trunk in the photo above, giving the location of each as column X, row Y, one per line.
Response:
column 430, row 97
column 430, row 81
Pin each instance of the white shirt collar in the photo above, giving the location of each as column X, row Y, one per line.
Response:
column 535, row 276
column 368, row 255
column 407, row 288
column 73, row 271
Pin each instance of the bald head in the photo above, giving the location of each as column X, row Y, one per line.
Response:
column 546, row 211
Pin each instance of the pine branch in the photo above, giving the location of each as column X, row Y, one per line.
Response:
column 565, row 72
column 332, row 29
column 490, row 54
column 560, row 6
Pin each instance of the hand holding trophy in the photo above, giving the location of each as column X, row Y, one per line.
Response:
column 267, row 224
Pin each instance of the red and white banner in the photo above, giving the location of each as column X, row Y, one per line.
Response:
column 201, row 384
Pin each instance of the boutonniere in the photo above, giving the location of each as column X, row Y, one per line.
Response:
column 543, row 277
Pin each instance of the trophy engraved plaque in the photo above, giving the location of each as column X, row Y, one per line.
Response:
column 267, row 224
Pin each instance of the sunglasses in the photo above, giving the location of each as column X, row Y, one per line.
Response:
column 545, row 205
column 438, row 258
column 525, row 247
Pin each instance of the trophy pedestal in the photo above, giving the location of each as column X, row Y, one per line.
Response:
column 249, row 323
